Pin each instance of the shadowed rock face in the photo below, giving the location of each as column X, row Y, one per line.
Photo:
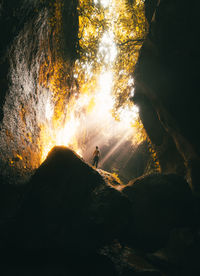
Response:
column 69, row 206
column 69, row 213
column 160, row 203
column 166, row 85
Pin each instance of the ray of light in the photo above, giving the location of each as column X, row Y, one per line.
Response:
column 89, row 121
column 114, row 149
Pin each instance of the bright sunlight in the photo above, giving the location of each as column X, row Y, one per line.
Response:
column 90, row 116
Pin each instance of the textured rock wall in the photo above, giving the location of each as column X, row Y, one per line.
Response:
column 30, row 46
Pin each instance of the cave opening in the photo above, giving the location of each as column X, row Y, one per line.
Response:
column 80, row 97
column 100, row 111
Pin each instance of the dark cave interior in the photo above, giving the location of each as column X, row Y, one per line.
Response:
column 68, row 218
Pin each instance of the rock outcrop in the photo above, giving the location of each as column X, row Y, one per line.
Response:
column 35, row 50
column 70, row 207
column 160, row 203
column 167, row 81
column 68, row 213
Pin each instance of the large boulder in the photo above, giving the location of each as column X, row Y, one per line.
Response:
column 70, row 207
column 159, row 204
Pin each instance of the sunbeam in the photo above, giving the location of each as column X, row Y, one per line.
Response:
column 90, row 117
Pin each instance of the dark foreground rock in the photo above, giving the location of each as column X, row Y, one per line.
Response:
column 159, row 204
column 69, row 207
column 70, row 213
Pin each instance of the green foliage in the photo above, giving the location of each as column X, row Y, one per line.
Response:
column 156, row 165
column 130, row 30
column 128, row 23
column 92, row 24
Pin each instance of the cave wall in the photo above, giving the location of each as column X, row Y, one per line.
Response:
column 167, row 82
column 166, row 79
column 34, row 36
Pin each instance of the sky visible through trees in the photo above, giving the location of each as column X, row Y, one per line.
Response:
column 100, row 111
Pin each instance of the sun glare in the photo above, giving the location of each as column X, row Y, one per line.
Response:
column 107, row 48
column 104, row 3
column 104, row 99
column 91, row 110
column 49, row 110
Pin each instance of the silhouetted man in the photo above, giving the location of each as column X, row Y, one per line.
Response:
column 96, row 156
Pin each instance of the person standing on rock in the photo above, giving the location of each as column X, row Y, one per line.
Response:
column 96, row 156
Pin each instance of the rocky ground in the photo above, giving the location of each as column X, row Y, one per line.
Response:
column 71, row 219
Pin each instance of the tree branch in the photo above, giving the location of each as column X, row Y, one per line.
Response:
column 130, row 41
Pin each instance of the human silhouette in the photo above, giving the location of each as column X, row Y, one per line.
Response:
column 96, row 156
